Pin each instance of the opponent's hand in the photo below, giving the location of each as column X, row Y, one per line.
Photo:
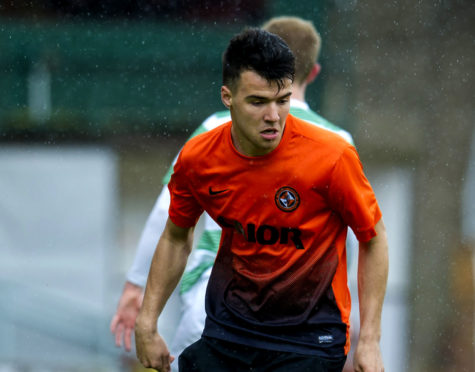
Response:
column 152, row 350
column 368, row 357
column 123, row 321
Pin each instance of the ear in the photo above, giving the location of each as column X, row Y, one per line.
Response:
column 313, row 73
column 226, row 96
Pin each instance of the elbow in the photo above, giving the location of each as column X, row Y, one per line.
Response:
column 180, row 237
column 381, row 236
column 187, row 242
column 188, row 246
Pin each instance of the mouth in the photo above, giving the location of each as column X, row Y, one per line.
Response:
column 269, row 134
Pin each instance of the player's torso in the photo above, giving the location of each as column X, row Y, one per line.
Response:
column 273, row 203
column 282, row 241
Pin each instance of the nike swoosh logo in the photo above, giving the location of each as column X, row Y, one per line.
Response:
column 216, row 192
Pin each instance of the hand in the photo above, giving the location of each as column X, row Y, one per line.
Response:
column 368, row 357
column 151, row 349
column 123, row 322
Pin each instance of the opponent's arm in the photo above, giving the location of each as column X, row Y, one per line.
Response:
column 372, row 278
column 151, row 233
column 167, row 266
column 123, row 321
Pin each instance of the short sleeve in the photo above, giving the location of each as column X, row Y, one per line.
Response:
column 184, row 209
column 352, row 196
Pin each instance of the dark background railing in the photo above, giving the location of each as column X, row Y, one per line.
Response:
column 112, row 71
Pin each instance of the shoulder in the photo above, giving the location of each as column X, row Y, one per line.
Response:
column 317, row 145
column 206, row 142
column 313, row 118
column 211, row 122
column 315, row 135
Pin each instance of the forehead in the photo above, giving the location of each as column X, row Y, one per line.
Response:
column 251, row 83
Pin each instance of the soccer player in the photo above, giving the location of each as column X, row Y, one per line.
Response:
column 305, row 42
column 284, row 193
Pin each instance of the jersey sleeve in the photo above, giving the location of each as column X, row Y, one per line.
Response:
column 184, row 209
column 168, row 175
column 352, row 196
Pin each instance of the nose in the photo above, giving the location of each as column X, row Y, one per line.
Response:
column 272, row 113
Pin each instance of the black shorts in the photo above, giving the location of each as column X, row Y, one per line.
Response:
column 210, row 354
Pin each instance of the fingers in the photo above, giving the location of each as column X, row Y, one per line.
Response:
column 128, row 339
column 119, row 331
column 116, row 327
column 114, row 322
column 166, row 363
column 163, row 365
column 160, row 362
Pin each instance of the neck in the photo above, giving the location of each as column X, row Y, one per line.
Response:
column 298, row 91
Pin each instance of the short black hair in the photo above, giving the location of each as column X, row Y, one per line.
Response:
column 260, row 51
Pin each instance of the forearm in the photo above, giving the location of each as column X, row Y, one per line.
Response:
column 168, row 264
column 154, row 227
column 372, row 279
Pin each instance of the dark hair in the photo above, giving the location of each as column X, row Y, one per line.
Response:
column 260, row 51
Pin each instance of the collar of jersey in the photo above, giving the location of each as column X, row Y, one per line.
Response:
column 296, row 103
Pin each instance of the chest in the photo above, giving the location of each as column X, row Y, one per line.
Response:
column 282, row 193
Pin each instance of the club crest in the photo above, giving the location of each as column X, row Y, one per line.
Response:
column 287, row 199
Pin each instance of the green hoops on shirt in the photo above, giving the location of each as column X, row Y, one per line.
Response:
column 209, row 241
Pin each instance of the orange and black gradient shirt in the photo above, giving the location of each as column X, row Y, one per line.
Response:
column 280, row 277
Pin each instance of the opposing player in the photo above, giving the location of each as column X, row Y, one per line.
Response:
column 305, row 42
column 284, row 192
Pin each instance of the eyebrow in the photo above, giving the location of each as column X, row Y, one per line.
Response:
column 266, row 98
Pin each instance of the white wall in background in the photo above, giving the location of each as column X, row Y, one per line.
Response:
column 393, row 187
column 58, row 214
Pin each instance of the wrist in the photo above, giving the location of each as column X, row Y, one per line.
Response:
column 145, row 324
column 132, row 287
column 369, row 337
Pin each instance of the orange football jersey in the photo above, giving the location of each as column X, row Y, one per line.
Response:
column 280, row 278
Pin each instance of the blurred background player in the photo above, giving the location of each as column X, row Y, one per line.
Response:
column 305, row 43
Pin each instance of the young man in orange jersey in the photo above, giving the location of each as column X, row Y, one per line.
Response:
column 305, row 42
column 284, row 193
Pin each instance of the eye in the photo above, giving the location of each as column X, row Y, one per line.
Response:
column 257, row 103
column 283, row 101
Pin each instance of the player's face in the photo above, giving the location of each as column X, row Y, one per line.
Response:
column 258, row 111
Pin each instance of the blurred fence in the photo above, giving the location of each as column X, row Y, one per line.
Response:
column 90, row 79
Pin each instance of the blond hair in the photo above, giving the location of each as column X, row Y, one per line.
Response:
column 302, row 38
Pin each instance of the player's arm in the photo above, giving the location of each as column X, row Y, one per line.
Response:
column 168, row 264
column 372, row 278
column 123, row 321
